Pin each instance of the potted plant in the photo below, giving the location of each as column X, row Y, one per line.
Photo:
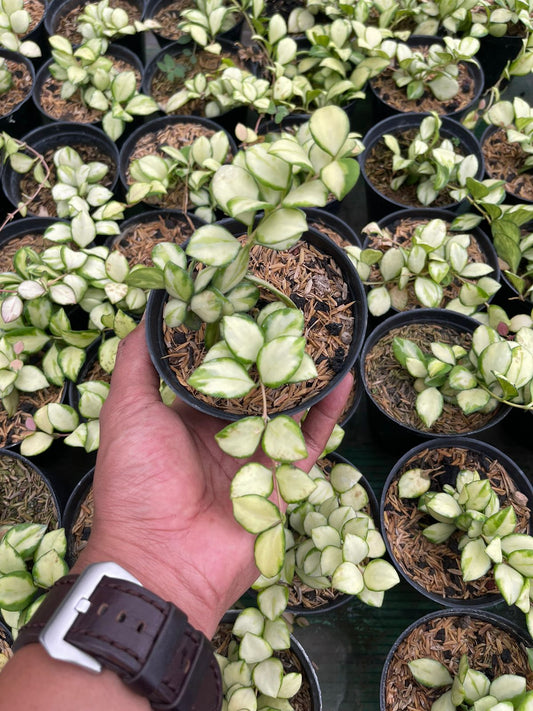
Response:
column 421, row 261
column 430, row 74
column 412, row 160
column 16, row 83
column 409, row 410
column 446, row 555
column 508, row 146
column 17, row 23
column 494, row 646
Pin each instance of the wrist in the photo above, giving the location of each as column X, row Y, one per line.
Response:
column 160, row 578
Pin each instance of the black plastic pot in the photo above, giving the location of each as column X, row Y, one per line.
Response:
column 38, row 471
column 308, row 670
column 464, row 616
column 72, row 510
column 482, row 452
column 43, row 74
column 17, row 120
column 153, row 7
column 156, row 344
column 378, row 205
column 318, row 218
column 59, row 8
column 511, row 197
column 341, row 598
column 393, row 434
column 382, row 109
column 171, row 218
column 227, row 120
column 426, row 214
column 157, row 124
column 57, row 135
column 494, row 53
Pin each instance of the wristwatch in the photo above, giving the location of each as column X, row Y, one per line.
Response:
column 104, row 618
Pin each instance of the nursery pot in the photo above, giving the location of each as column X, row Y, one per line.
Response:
column 380, row 204
column 58, row 12
column 387, row 419
column 494, row 53
column 15, row 120
column 160, row 9
column 496, row 148
column 427, row 567
column 383, row 108
column 332, row 226
column 142, row 232
column 160, row 125
column 304, row 665
column 423, row 215
column 78, row 517
column 52, row 136
column 335, row 599
column 227, row 120
column 159, row 350
column 27, row 493
column 494, row 646
column 114, row 50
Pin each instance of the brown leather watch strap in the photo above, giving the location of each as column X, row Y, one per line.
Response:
column 148, row 642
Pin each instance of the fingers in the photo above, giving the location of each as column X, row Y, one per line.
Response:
column 134, row 379
column 321, row 420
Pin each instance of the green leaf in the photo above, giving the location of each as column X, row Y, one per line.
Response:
column 255, row 513
column 379, row 301
column 213, row 245
column 17, row 590
column 269, row 550
column 35, row 443
column 222, row 377
column 267, row 168
column 474, row 560
column 49, row 568
column 430, row 672
column 413, row 483
column 282, row 228
column 348, row 579
column 428, row 293
column 30, row 378
column 340, row 176
column 252, row 478
column 509, row 582
column 294, row 484
column 330, row 127
column 70, row 361
column 241, row 439
column 429, row 404
column 243, row 337
column 472, row 400
column 63, row 418
column 279, row 359
column 252, row 649
column 267, row 676
column 283, row 440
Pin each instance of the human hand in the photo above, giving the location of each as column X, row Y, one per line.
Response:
column 161, row 488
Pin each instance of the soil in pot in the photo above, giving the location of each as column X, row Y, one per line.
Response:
column 169, row 15
column 176, row 134
column 67, row 23
column 25, row 495
column 44, row 205
column 188, row 60
column 504, row 160
column 400, row 233
column 437, row 568
column 81, row 525
column 303, row 700
column 137, row 240
column 20, row 90
column 391, row 387
column 491, row 645
column 316, row 285
column 47, row 94
column 395, row 97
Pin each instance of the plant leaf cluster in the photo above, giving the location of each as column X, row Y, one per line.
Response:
column 99, row 20
column 435, row 258
column 31, row 560
column 495, row 369
column 471, row 689
column 431, row 163
column 14, row 24
column 490, row 540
